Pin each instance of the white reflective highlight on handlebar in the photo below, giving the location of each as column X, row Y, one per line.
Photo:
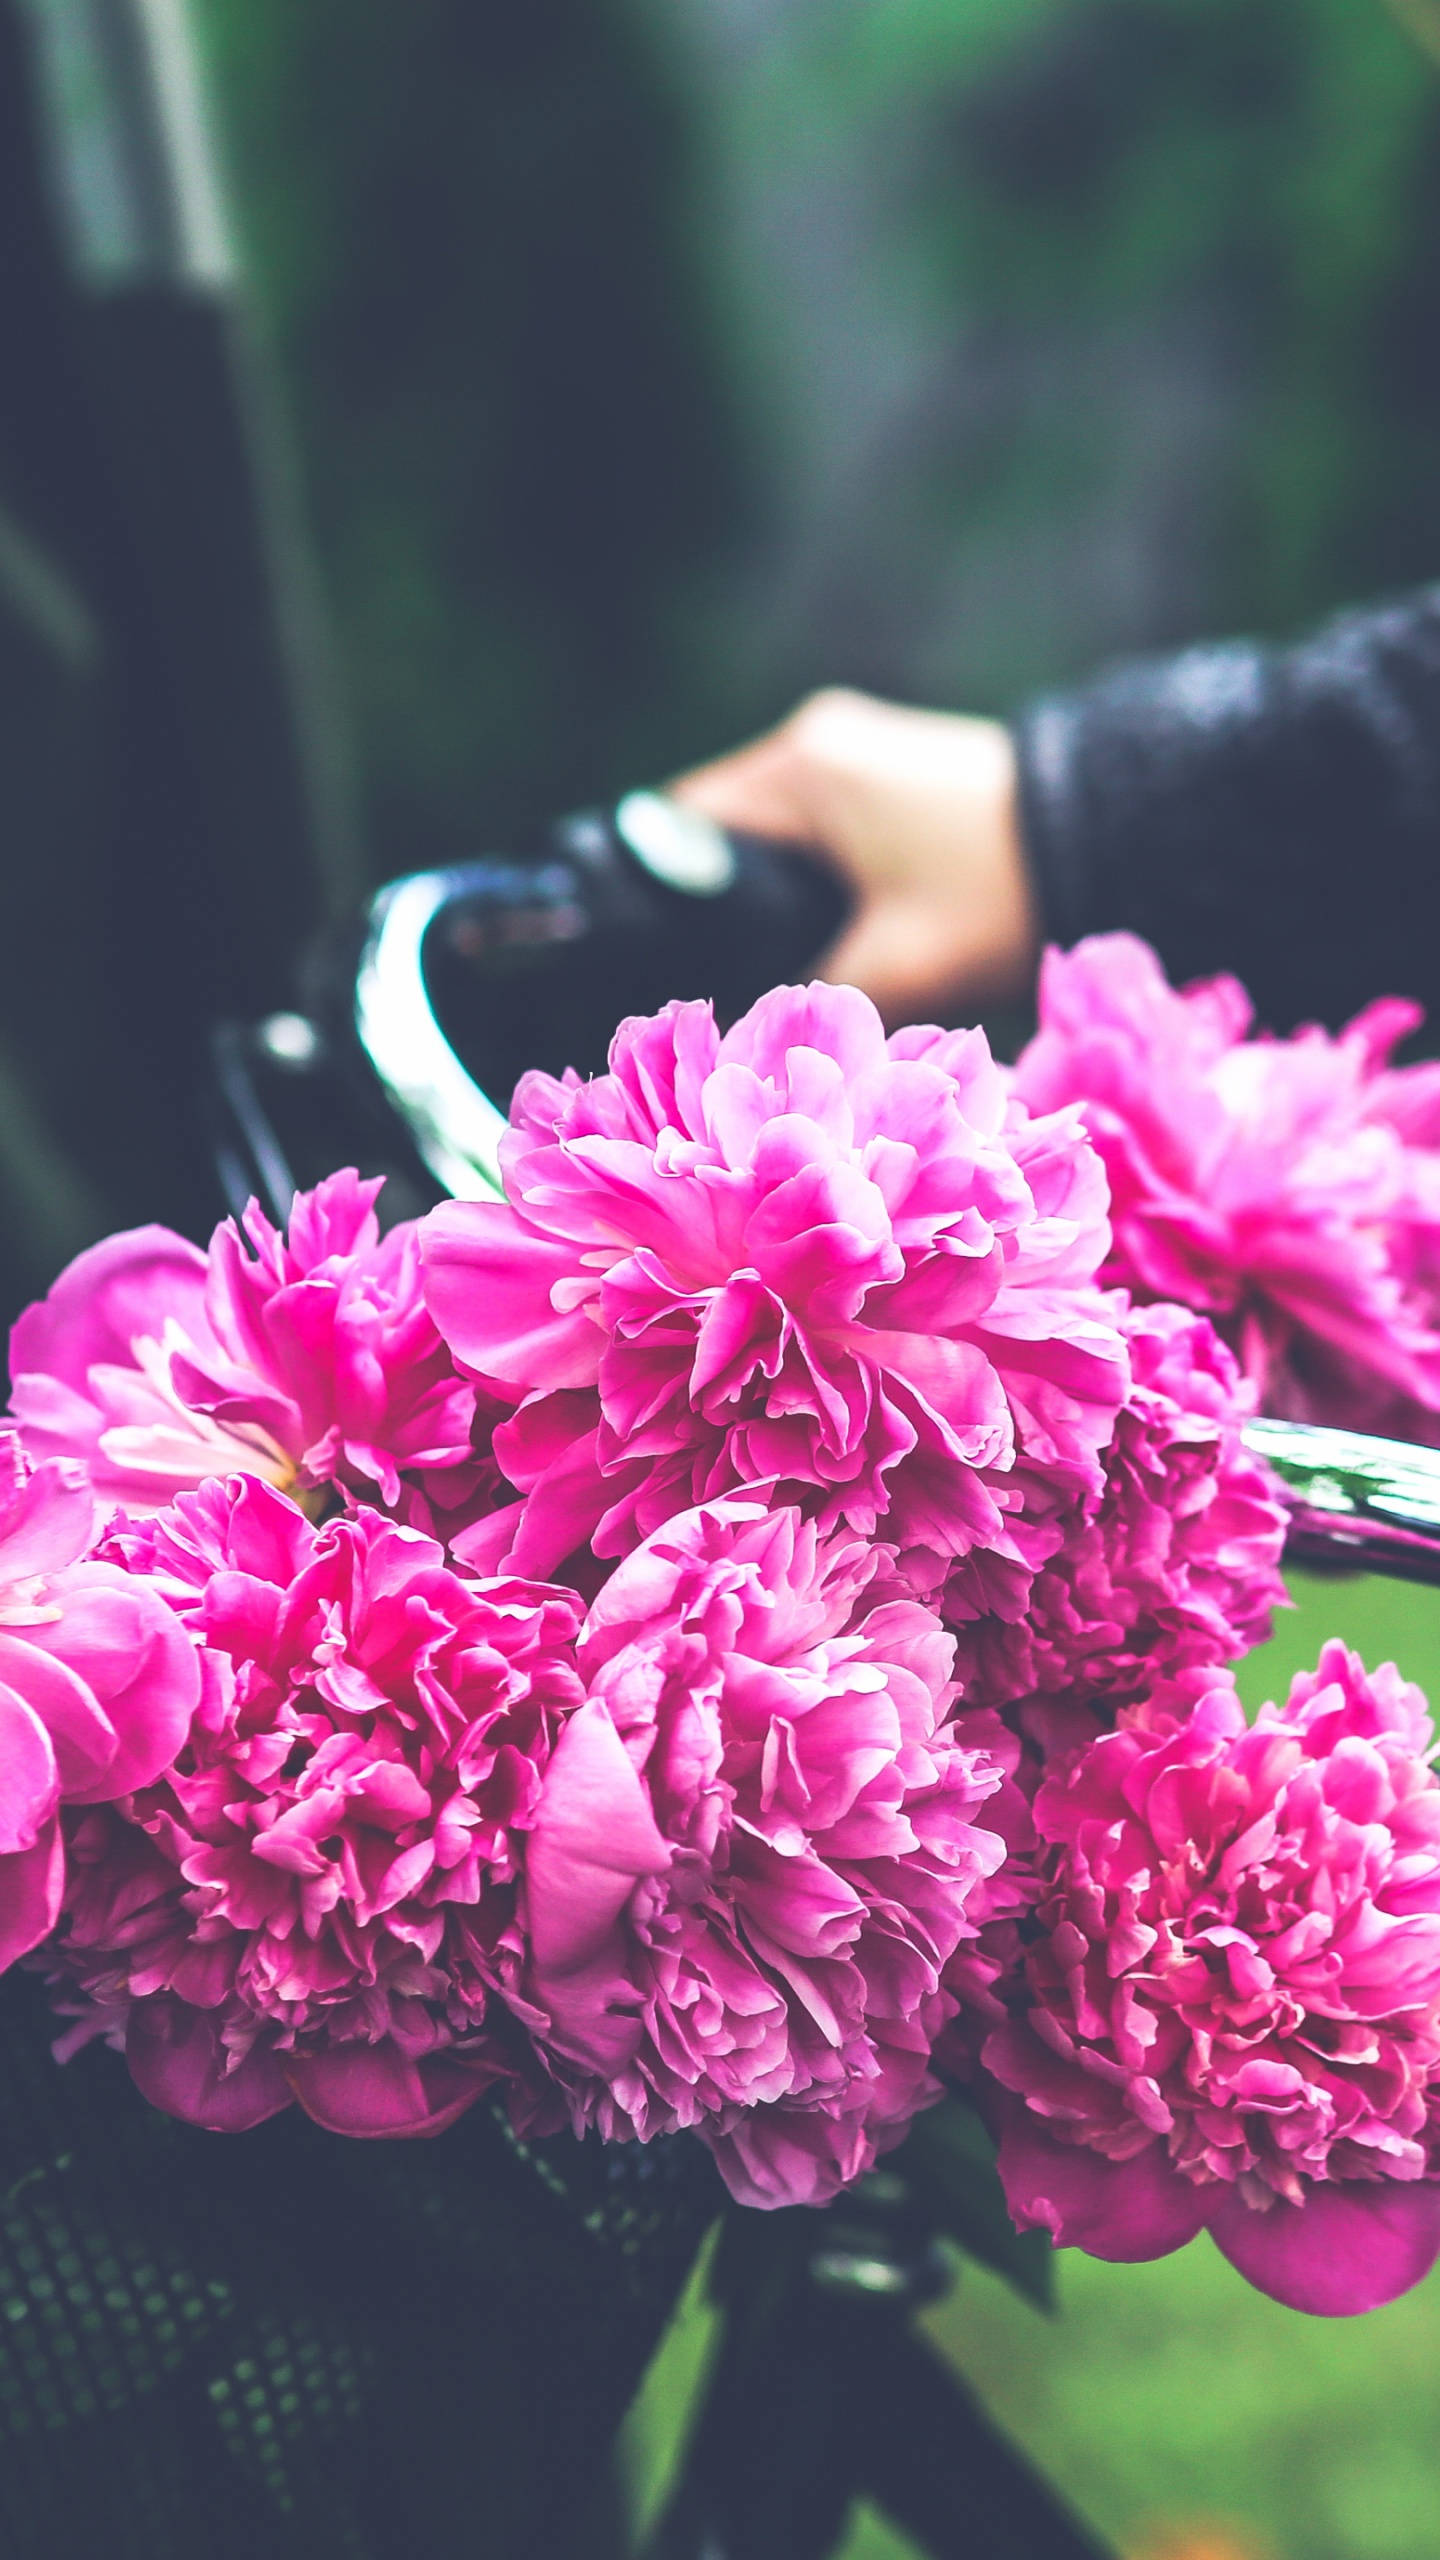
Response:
column 1353, row 1500
column 678, row 847
column 455, row 1126
column 1351, row 1474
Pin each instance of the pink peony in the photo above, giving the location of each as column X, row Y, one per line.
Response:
column 1288, row 1188
column 764, row 1746
column 1230, row 2016
column 1032, row 1740
column 310, row 1362
column 706, row 1872
column 97, row 1683
column 1174, row 1562
column 1172, row 1568
column 318, row 1900
column 797, row 1256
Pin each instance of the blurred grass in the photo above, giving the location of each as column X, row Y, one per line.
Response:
column 1173, row 2395
column 1384, row 1621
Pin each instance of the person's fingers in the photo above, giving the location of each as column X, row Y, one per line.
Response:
column 917, row 810
column 765, row 788
column 807, row 779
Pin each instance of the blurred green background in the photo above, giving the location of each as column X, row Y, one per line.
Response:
column 653, row 360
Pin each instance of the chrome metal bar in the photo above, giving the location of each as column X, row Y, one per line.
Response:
column 455, row 1126
column 1371, row 1505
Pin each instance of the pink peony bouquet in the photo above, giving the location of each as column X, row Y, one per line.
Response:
column 1288, row 1189
column 1227, row 2016
column 731, row 1639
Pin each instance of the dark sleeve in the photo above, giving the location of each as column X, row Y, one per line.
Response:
column 1273, row 811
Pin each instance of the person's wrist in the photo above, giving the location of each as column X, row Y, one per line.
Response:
column 1001, row 962
column 924, row 813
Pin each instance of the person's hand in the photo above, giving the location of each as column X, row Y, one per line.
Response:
column 918, row 809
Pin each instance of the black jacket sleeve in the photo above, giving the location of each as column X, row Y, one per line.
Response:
column 1273, row 811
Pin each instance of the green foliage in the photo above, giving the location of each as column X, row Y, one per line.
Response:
column 869, row 2535
column 1422, row 20
column 653, row 2440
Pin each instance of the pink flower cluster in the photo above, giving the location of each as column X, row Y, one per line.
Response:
column 97, row 1683
column 317, row 1899
column 711, row 1643
column 310, row 1362
column 1229, row 2013
column 702, row 1869
column 1171, row 1569
column 1173, row 1561
column 799, row 1256
column 702, row 1860
column 772, row 1743
column 1290, row 1189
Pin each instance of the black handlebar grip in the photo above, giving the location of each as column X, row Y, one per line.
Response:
column 532, row 960
column 526, row 959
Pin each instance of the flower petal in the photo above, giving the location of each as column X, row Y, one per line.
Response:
column 31, row 1884
column 178, row 2062
column 1351, row 2246
column 1125, row 2210
column 29, row 1778
column 378, row 2093
column 594, row 1837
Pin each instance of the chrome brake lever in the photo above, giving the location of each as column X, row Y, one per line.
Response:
column 1370, row 1505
